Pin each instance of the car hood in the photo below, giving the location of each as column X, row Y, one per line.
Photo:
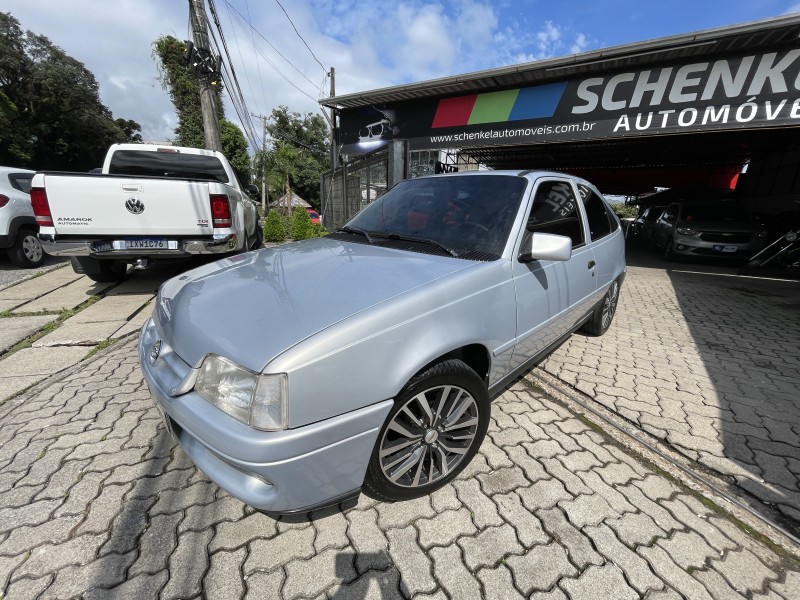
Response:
column 251, row 307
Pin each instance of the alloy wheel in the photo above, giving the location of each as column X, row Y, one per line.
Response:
column 429, row 436
column 32, row 248
column 610, row 304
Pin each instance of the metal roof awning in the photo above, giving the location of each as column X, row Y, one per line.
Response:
column 710, row 42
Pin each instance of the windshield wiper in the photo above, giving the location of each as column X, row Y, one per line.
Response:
column 357, row 231
column 411, row 238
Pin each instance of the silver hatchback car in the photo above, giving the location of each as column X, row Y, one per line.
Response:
column 297, row 376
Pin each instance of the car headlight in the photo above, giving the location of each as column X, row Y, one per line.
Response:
column 762, row 233
column 687, row 231
column 254, row 399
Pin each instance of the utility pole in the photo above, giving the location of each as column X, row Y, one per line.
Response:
column 333, row 120
column 197, row 13
column 263, row 163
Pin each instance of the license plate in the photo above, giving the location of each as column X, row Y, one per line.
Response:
column 721, row 248
column 146, row 244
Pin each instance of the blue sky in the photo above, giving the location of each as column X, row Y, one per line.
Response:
column 370, row 44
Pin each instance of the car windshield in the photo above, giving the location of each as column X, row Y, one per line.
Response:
column 719, row 211
column 468, row 216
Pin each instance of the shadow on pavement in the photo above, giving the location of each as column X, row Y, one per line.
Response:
column 737, row 379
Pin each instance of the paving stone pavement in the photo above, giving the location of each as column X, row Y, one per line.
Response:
column 708, row 363
column 97, row 501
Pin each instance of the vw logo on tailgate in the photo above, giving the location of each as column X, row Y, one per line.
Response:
column 134, row 205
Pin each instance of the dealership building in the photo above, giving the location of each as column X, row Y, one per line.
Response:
column 716, row 109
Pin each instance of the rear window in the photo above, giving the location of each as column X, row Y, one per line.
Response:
column 139, row 163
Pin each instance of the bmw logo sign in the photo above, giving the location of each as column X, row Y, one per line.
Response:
column 134, row 205
column 155, row 351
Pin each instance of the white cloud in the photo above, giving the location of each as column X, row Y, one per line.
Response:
column 370, row 44
column 580, row 43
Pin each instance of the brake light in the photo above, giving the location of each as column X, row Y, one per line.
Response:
column 220, row 210
column 41, row 207
column 3, row 200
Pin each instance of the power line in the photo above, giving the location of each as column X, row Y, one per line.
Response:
column 235, row 90
column 300, row 143
column 277, row 70
column 271, row 45
column 253, row 41
column 300, row 36
column 241, row 60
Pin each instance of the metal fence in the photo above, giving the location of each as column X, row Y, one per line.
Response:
column 350, row 188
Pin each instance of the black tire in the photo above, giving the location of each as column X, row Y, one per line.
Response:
column 259, row 235
column 27, row 250
column 754, row 263
column 603, row 313
column 669, row 254
column 449, row 389
column 749, row 266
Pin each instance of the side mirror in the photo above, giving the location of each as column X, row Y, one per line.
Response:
column 252, row 190
column 545, row 246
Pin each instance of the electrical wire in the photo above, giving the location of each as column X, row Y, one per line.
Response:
column 252, row 41
column 232, row 81
column 300, row 143
column 271, row 45
column 241, row 60
column 301, row 37
column 279, row 72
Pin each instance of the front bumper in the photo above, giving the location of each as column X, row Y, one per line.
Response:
column 288, row 471
column 219, row 244
column 689, row 245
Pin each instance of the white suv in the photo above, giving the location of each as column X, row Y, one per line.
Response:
column 18, row 229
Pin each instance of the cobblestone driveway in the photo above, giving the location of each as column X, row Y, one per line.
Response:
column 97, row 501
column 708, row 363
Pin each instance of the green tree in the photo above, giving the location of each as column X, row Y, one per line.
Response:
column 51, row 116
column 299, row 154
column 625, row 210
column 131, row 129
column 184, row 91
column 281, row 161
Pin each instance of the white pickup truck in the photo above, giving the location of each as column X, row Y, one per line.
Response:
column 149, row 202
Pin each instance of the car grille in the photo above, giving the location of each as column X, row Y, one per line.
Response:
column 726, row 238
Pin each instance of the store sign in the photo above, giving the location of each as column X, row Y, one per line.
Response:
column 752, row 91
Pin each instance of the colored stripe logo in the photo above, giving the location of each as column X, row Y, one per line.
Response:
column 498, row 107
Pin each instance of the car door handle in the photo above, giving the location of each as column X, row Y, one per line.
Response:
column 592, row 264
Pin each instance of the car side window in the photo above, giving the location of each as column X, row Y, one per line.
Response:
column 555, row 211
column 600, row 222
